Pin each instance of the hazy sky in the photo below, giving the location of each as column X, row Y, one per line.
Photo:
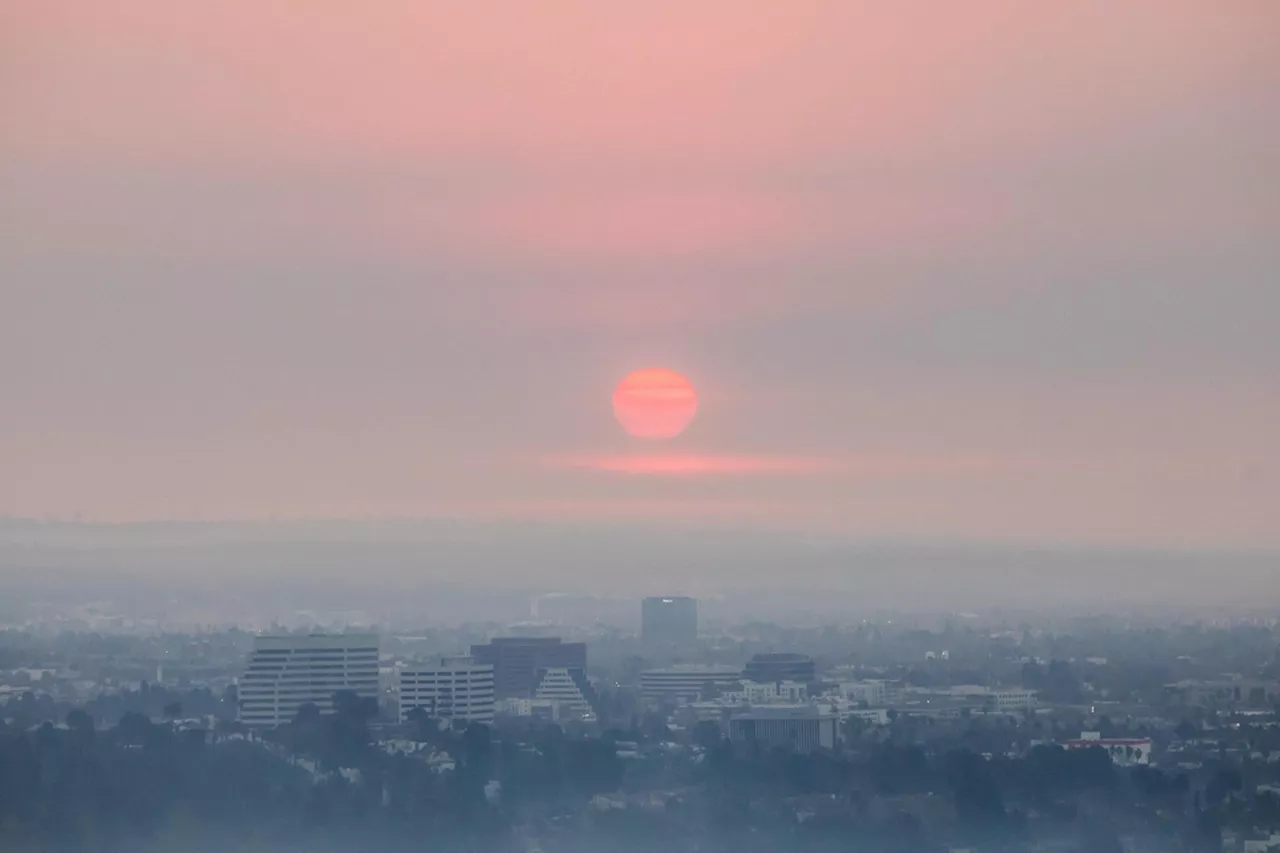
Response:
column 991, row 270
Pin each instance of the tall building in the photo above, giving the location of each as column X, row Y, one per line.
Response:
column 687, row 682
column 457, row 689
column 286, row 672
column 783, row 666
column 516, row 662
column 669, row 620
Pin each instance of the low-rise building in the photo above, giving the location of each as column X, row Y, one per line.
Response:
column 1012, row 699
column 800, row 727
column 873, row 716
column 1125, row 752
column 1231, row 692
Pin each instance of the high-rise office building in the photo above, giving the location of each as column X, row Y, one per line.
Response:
column 669, row 620
column 286, row 672
column 456, row 689
column 516, row 662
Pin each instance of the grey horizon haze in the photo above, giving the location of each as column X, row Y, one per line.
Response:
column 1004, row 275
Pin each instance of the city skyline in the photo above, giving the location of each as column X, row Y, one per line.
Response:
column 687, row 425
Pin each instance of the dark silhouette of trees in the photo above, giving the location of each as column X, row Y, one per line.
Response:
column 1100, row 839
column 896, row 769
column 322, row 780
column 1205, row 834
column 1223, row 783
column 978, row 800
column 707, row 734
column 79, row 720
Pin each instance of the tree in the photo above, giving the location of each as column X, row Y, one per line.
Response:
column 80, row 728
column 133, row 729
column 1101, row 839
column 78, row 720
column 1061, row 683
column 592, row 767
column 1206, row 833
column 707, row 734
column 979, row 804
column 173, row 710
column 1224, row 782
column 307, row 714
column 477, row 745
column 853, row 728
column 425, row 728
column 898, row 769
column 654, row 726
column 349, row 705
column 230, row 727
column 346, row 736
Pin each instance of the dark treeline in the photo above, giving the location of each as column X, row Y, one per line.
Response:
column 31, row 707
column 323, row 783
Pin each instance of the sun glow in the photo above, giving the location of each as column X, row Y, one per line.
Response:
column 655, row 403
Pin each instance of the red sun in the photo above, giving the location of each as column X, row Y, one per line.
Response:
column 655, row 403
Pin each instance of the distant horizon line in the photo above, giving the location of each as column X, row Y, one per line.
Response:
column 663, row 525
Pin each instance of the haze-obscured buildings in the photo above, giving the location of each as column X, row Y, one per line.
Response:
column 781, row 666
column 669, row 620
column 518, row 661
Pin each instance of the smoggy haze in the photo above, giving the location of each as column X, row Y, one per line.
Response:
column 990, row 270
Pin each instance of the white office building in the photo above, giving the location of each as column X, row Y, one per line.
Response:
column 457, row 689
column 687, row 682
column 286, row 672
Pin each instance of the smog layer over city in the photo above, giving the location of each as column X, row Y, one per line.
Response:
column 697, row 427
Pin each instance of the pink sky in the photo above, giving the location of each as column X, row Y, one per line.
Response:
column 391, row 257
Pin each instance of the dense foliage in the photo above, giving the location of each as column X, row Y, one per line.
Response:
column 324, row 783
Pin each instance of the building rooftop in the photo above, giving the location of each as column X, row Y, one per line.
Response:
column 782, row 712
